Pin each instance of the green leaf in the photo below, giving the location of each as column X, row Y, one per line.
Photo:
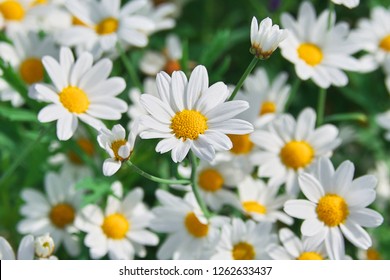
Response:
column 18, row 114
column 95, row 190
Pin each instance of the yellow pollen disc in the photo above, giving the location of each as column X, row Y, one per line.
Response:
column 373, row 254
column 74, row 99
column 188, row 124
column 107, row 26
column 385, row 43
column 241, row 144
column 115, row 146
column 254, row 206
column 194, row 226
column 171, row 66
column 31, row 70
column 267, row 107
column 115, row 226
column 62, row 214
column 12, row 10
column 310, row 256
column 210, row 180
column 310, row 53
column 332, row 210
column 86, row 145
column 296, row 154
column 243, row 251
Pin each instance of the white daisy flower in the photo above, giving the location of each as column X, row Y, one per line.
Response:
column 117, row 146
column 335, row 206
column 163, row 15
column 190, row 234
column 265, row 37
column 261, row 202
column 12, row 12
column 318, row 53
column 381, row 172
column 290, row 146
column 169, row 60
column 120, row 230
column 44, row 246
column 105, row 24
column 347, row 3
column 25, row 57
column 244, row 241
column 80, row 91
column 53, row 212
column 295, row 248
column 190, row 115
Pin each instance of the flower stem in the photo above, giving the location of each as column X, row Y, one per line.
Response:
column 331, row 12
column 157, row 179
column 129, row 67
column 195, row 187
column 321, row 106
column 360, row 117
column 292, row 94
column 243, row 77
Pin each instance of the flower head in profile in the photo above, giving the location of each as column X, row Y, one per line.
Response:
column 336, row 205
column 347, row 3
column 265, row 38
column 190, row 115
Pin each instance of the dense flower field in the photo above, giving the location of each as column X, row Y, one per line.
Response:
column 194, row 129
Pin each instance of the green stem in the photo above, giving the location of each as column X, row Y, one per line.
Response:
column 321, row 106
column 243, row 77
column 292, row 94
column 331, row 12
column 157, row 179
column 195, row 188
column 360, row 117
column 129, row 67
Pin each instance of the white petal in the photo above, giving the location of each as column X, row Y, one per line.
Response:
column 366, row 217
column 66, row 126
column 144, row 237
column 310, row 186
column 356, row 235
column 301, row 209
column 198, row 83
column 26, row 250
column 312, row 227
column 292, row 243
column 111, row 166
column 334, row 244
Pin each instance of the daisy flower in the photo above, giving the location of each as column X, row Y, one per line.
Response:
column 290, row 146
column 335, row 206
column 80, row 91
column 25, row 57
column 244, row 241
column 261, row 202
column 119, row 230
column 348, row 3
column 318, row 53
column 53, row 212
column 265, row 37
column 162, row 14
column 190, row 115
column 12, row 12
column 190, row 234
column 169, row 60
column 295, row 249
column 117, row 146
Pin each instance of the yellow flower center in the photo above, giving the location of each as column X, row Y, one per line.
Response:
column 332, row 210
column 107, row 26
column 254, row 206
column 38, row 2
column 74, row 99
column 115, row 226
column 171, row 66
column 243, row 251
column 310, row 53
column 31, row 70
column 188, row 124
column 12, row 10
column 115, row 148
column 86, row 145
column 267, row 107
column 385, row 43
column 373, row 254
column 310, row 256
column 194, row 226
column 242, row 144
column 210, row 180
column 62, row 214
column 297, row 154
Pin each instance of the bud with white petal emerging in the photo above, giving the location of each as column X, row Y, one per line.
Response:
column 265, row 38
column 44, row 246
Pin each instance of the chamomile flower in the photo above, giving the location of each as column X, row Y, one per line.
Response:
column 295, row 248
column 25, row 57
column 318, row 53
column 336, row 205
column 168, row 61
column 162, row 15
column 190, row 115
column 117, row 146
column 12, row 12
column 291, row 146
column 53, row 212
column 190, row 234
column 348, row 3
column 80, row 91
column 120, row 230
column 265, row 37
column 244, row 241
column 261, row 202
